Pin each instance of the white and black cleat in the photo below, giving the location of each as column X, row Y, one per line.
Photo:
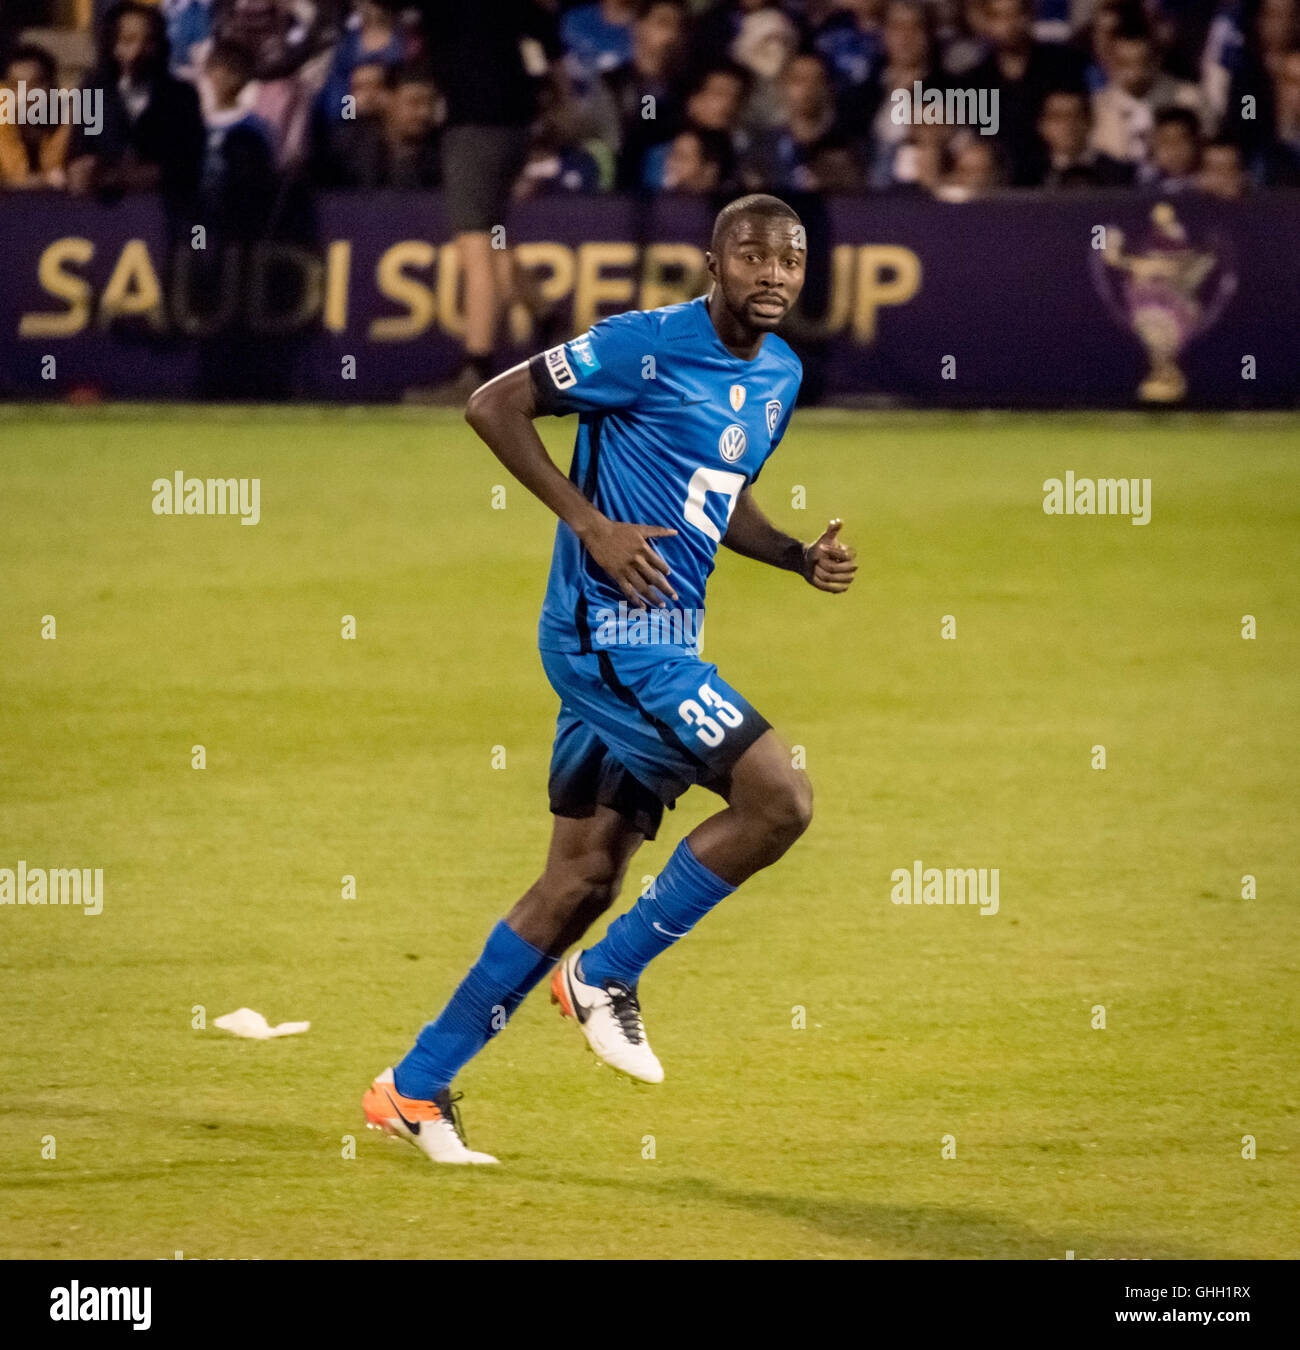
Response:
column 610, row 1018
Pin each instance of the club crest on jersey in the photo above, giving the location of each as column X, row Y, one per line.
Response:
column 732, row 442
column 773, row 415
column 737, row 397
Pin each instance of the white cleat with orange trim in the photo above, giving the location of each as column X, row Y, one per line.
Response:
column 431, row 1126
column 610, row 1018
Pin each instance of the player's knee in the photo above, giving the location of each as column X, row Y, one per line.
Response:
column 786, row 806
column 589, row 883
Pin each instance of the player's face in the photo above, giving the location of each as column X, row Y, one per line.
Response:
column 759, row 271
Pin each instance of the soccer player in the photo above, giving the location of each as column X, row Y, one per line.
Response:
column 679, row 409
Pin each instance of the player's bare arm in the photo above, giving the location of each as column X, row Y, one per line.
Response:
column 826, row 563
column 502, row 413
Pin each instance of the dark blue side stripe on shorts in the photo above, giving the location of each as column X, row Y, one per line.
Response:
column 625, row 695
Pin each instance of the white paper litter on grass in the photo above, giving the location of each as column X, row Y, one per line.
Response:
column 254, row 1027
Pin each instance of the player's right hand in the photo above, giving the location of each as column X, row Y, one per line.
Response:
column 623, row 550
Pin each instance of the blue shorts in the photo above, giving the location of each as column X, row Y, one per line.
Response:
column 638, row 726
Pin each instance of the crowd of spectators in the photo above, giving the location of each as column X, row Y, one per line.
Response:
column 227, row 99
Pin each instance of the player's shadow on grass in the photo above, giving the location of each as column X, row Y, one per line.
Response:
column 926, row 1231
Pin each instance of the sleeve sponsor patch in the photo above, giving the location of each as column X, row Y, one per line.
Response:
column 570, row 362
column 583, row 354
column 561, row 372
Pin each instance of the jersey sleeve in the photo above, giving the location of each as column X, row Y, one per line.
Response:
column 602, row 370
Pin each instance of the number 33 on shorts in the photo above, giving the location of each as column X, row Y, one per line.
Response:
column 710, row 728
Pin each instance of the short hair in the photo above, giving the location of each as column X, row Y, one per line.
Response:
column 386, row 70
column 1074, row 91
column 412, row 72
column 728, row 68
column 37, row 56
column 760, row 204
column 234, row 56
column 1179, row 117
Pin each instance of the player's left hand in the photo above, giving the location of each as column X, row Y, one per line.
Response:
column 829, row 565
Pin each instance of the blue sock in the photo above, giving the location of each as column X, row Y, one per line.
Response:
column 495, row 986
column 682, row 894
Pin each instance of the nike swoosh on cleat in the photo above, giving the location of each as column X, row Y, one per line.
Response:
column 412, row 1125
column 579, row 1011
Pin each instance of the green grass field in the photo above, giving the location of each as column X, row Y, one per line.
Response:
column 373, row 758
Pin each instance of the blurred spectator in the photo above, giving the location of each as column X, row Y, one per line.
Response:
column 373, row 36
column 1124, row 111
column 763, row 46
column 850, row 41
column 237, row 182
column 1024, row 72
column 717, row 27
column 908, row 38
column 1069, row 161
column 961, row 44
column 1223, row 62
column 923, row 160
column 371, row 86
column 1275, row 27
column 152, row 137
column 1175, row 151
column 694, row 163
column 1261, row 34
column 1098, row 38
column 1053, row 20
column 189, row 23
column 782, row 160
column 1279, row 158
column 713, row 109
column 976, row 168
column 291, row 57
column 834, row 168
column 1181, row 29
column 280, row 34
column 32, row 155
column 411, row 152
column 393, row 141
column 596, row 38
column 637, row 104
column 345, row 145
column 558, row 161
column 489, row 63
column 1223, row 172
column 678, row 95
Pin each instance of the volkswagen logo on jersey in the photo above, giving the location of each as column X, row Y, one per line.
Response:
column 737, row 397
column 731, row 444
column 773, row 415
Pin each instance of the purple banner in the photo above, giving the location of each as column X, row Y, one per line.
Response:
column 1079, row 301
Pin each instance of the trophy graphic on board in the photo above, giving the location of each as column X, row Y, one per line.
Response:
column 1166, row 291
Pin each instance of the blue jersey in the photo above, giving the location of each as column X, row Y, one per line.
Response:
column 672, row 427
